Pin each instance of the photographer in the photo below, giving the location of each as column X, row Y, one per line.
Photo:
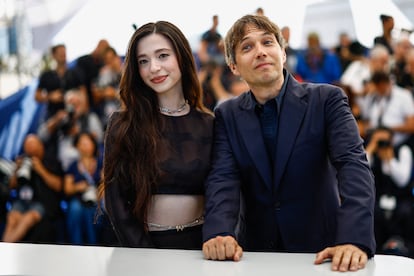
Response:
column 59, row 131
column 392, row 168
column 105, row 90
column 38, row 182
column 54, row 82
column 391, row 106
column 80, row 183
column 7, row 168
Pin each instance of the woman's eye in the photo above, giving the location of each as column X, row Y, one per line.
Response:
column 142, row 61
column 164, row 56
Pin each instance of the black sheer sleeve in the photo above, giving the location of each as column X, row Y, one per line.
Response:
column 128, row 229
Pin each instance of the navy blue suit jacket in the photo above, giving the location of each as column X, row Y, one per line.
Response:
column 321, row 192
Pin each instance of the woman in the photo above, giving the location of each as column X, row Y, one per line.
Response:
column 157, row 148
column 80, row 183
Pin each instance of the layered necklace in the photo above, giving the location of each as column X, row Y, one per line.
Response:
column 173, row 111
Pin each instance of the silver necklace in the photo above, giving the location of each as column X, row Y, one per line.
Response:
column 169, row 111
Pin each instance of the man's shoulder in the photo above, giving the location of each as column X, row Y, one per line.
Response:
column 234, row 104
column 84, row 62
column 209, row 35
column 48, row 73
column 401, row 91
column 321, row 91
column 309, row 85
column 237, row 100
column 84, row 58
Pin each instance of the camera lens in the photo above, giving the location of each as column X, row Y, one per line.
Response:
column 24, row 172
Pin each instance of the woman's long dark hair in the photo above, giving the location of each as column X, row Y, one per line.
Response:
column 132, row 158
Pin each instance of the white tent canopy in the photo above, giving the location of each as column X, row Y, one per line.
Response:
column 113, row 19
column 81, row 23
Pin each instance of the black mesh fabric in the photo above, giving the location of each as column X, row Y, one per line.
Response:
column 185, row 153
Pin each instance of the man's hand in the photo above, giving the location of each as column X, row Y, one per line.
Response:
column 222, row 248
column 345, row 257
column 37, row 164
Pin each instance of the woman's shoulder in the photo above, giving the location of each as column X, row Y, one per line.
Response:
column 115, row 118
column 116, row 114
column 207, row 116
column 72, row 168
column 197, row 112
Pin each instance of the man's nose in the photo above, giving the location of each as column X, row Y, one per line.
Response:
column 260, row 51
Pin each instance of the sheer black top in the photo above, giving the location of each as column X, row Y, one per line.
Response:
column 185, row 157
column 185, row 153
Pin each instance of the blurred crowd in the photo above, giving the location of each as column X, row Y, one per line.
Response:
column 50, row 194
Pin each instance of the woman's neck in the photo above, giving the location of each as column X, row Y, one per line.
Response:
column 173, row 105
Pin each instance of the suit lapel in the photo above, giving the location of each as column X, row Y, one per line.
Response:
column 251, row 132
column 290, row 121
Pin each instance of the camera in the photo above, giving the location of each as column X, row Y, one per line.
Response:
column 383, row 143
column 89, row 197
column 69, row 121
column 6, row 171
column 24, row 173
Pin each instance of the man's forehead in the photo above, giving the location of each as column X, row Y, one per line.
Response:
column 249, row 28
column 255, row 29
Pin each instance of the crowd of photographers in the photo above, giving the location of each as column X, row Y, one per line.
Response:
column 78, row 99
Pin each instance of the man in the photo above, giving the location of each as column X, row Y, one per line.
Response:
column 38, row 180
column 106, row 88
column 59, row 131
column 386, row 38
column 391, row 106
column 54, row 83
column 392, row 168
column 291, row 54
column 304, row 177
column 316, row 63
column 210, row 50
column 89, row 66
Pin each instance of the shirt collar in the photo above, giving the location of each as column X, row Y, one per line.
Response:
column 279, row 98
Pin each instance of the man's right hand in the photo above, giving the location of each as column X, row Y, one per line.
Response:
column 222, row 248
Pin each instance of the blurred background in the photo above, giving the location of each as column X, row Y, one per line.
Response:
column 28, row 28
column 61, row 62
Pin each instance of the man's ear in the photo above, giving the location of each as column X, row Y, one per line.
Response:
column 233, row 68
column 284, row 56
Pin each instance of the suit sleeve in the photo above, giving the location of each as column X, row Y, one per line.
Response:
column 355, row 217
column 222, row 186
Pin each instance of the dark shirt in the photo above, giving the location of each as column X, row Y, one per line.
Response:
column 213, row 38
column 269, row 120
column 383, row 41
column 269, row 117
column 51, row 81
column 92, row 179
column 385, row 185
column 49, row 198
column 89, row 67
column 185, row 153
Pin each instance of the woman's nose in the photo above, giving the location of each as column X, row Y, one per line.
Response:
column 154, row 66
